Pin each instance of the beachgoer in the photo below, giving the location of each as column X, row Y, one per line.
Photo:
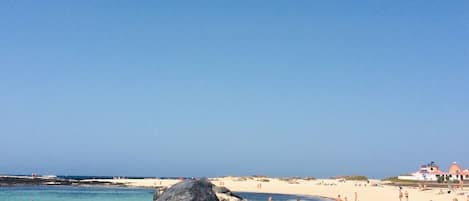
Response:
column 298, row 199
column 356, row 197
column 338, row 198
column 406, row 195
column 345, row 198
column 467, row 197
column 400, row 195
column 270, row 198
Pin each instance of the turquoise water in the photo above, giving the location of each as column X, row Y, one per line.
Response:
column 65, row 193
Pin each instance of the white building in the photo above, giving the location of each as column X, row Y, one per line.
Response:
column 431, row 172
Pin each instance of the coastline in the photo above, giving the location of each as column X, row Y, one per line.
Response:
column 325, row 188
column 322, row 188
column 6, row 181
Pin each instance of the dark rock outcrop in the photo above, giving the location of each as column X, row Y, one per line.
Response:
column 158, row 193
column 33, row 181
column 195, row 190
column 220, row 189
column 224, row 194
column 189, row 190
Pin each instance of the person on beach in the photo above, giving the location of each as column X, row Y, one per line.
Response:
column 338, row 198
column 356, row 196
column 400, row 195
column 345, row 198
column 270, row 198
column 406, row 194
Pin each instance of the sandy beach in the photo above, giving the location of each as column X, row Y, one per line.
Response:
column 374, row 191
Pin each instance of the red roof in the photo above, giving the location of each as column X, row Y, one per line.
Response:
column 464, row 173
column 438, row 172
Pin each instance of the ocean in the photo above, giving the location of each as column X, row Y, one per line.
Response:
column 68, row 193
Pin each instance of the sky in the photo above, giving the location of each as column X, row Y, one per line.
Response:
column 212, row 88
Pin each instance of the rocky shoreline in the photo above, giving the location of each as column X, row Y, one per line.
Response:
column 186, row 190
column 35, row 181
column 195, row 190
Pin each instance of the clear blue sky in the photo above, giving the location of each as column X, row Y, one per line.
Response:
column 206, row 88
